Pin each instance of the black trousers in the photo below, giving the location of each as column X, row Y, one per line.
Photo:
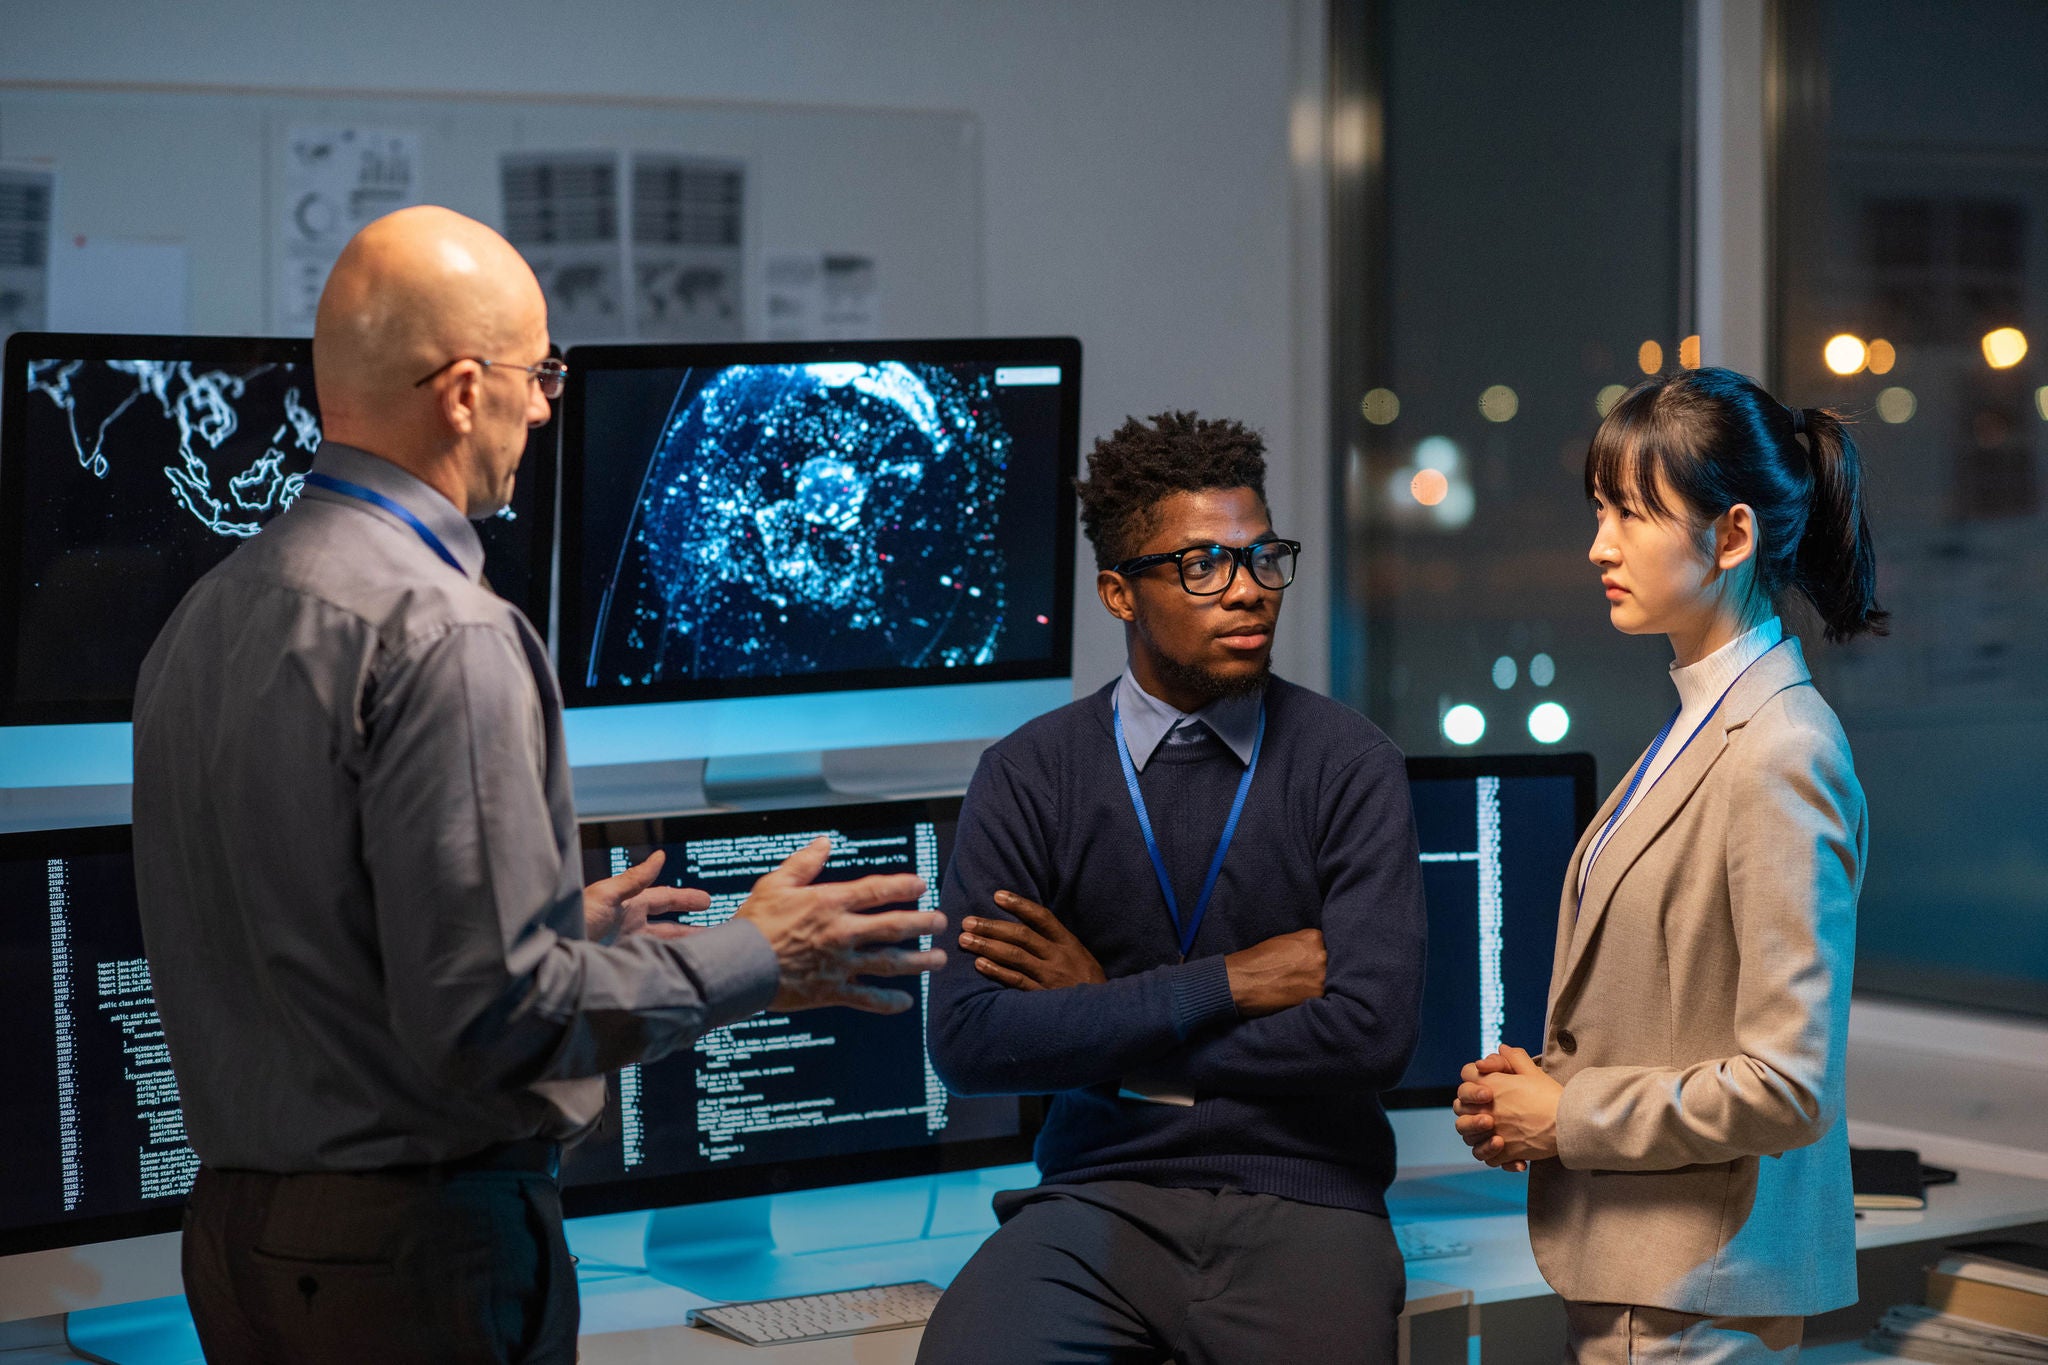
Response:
column 399, row 1266
column 1116, row 1271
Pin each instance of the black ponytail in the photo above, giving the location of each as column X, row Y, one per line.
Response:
column 1717, row 439
column 1835, row 566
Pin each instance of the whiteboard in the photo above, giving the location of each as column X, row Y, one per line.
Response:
column 197, row 169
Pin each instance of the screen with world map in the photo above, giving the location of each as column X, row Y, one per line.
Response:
column 130, row 465
column 749, row 519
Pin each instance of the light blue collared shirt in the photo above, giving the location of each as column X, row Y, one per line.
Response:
column 1149, row 722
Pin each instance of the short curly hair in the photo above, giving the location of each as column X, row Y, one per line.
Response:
column 1134, row 467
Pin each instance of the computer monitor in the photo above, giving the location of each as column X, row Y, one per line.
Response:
column 92, row 1143
column 781, row 1102
column 130, row 465
column 747, row 526
column 1497, row 834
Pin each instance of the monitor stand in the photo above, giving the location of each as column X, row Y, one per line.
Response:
column 151, row 1332
column 816, row 1241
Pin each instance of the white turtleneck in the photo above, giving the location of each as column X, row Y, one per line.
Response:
column 1700, row 687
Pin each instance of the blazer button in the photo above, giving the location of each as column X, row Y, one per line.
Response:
column 1566, row 1042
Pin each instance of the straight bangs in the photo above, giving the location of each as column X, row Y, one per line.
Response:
column 1630, row 447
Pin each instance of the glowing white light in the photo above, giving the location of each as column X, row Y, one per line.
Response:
column 1503, row 672
column 1464, row 724
column 1845, row 354
column 1499, row 403
column 1543, row 670
column 1380, row 406
column 1549, row 722
column 2004, row 347
column 1604, row 401
column 1896, row 405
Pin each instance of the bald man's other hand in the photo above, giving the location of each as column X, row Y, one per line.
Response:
column 826, row 934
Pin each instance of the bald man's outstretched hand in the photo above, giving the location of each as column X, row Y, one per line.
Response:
column 826, row 934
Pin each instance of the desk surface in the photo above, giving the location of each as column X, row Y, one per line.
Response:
column 629, row 1318
column 1487, row 1210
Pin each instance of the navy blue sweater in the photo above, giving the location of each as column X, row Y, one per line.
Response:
column 1286, row 1104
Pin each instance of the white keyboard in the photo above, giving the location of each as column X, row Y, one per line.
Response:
column 814, row 1317
column 1420, row 1242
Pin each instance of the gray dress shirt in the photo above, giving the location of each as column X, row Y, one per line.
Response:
column 357, row 863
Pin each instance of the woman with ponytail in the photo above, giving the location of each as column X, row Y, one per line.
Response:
column 1682, row 1121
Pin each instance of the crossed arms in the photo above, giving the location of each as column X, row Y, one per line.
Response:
column 1315, row 1010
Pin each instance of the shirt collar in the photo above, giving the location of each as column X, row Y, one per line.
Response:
column 1146, row 719
column 1699, row 684
column 380, row 475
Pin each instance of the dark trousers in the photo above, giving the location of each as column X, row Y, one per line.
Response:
column 1116, row 1271
column 408, row 1265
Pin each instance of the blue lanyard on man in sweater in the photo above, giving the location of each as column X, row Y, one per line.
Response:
column 1186, row 930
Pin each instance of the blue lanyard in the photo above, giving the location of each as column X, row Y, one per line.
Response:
column 1186, row 931
column 396, row 509
column 1621, row 807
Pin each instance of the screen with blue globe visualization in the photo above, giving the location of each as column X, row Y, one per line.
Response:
column 782, row 517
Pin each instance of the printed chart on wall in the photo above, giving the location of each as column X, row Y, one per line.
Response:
column 329, row 182
column 26, row 197
column 636, row 246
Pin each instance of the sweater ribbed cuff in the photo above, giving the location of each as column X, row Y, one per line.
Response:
column 1201, row 996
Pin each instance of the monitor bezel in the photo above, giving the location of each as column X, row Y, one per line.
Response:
column 739, row 1182
column 72, row 842
column 1578, row 766
column 573, row 630
column 542, row 446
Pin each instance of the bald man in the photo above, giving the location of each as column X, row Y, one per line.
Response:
column 387, row 995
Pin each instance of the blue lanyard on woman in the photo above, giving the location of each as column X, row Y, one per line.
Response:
column 1621, row 807
column 1187, row 931
column 396, row 509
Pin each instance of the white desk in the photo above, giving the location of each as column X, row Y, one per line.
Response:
column 630, row 1318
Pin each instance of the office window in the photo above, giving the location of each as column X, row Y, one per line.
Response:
column 1912, row 210
column 1510, row 256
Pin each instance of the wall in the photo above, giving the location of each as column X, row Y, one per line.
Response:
column 1137, row 184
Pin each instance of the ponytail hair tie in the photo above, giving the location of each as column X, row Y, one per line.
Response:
column 1798, row 421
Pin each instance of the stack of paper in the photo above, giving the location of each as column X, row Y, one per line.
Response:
column 1987, row 1304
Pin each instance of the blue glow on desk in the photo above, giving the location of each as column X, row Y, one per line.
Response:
column 66, row 755
column 877, row 717
column 102, row 755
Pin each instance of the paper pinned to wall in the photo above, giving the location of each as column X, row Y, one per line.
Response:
column 820, row 296
column 331, row 180
column 562, row 212
column 630, row 246
column 27, row 213
column 106, row 284
column 687, row 216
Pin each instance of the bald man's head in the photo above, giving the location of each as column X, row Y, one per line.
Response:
column 412, row 292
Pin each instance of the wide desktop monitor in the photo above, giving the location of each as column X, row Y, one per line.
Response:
column 781, row 1102
column 92, row 1143
column 130, row 465
column 747, row 527
column 1497, row 834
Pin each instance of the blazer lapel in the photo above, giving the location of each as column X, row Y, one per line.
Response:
column 1782, row 667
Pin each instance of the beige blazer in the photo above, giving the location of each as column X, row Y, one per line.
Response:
column 1699, row 1008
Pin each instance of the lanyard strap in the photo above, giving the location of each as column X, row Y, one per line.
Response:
column 1186, row 931
column 1621, row 807
column 395, row 508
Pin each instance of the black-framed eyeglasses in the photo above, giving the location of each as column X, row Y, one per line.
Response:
column 551, row 374
column 1206, row 570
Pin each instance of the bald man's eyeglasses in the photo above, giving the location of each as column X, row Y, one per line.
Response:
column 551, row 374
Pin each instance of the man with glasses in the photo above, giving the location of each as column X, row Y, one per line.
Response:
column 387, row 995
column 1192, row 910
